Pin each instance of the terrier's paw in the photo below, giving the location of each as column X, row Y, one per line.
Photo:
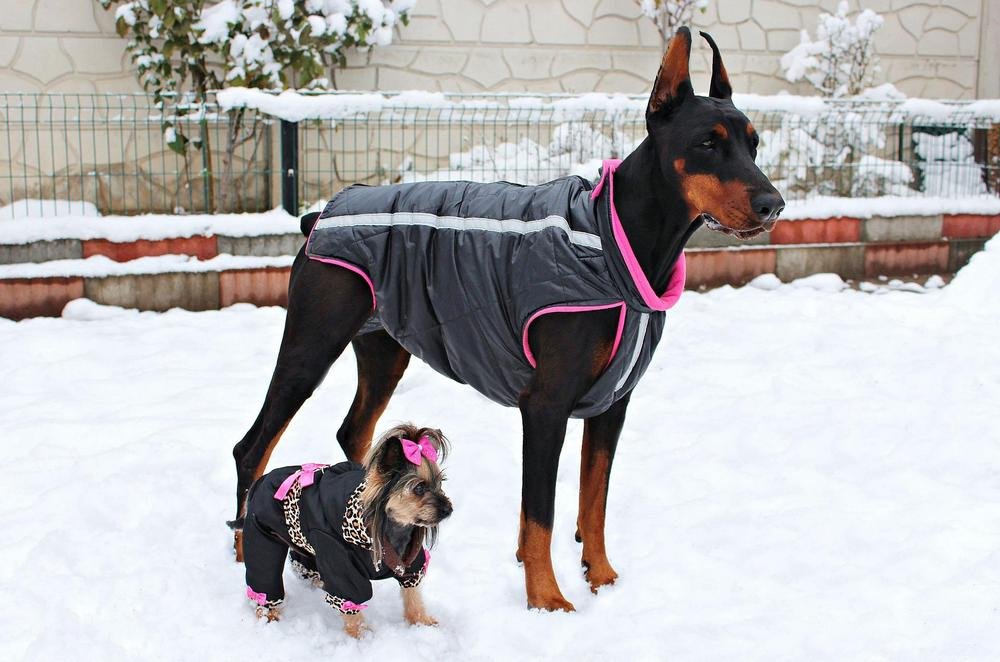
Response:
column 422, row 618
column 355, row 625
column 270, row 613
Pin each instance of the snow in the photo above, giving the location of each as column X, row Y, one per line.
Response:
column 99, row 266
column 47, row 208
column 146, row 226
column 298, row 106
column 804, row 474
column 483, row 166
column 216, row 20
column 887, row 206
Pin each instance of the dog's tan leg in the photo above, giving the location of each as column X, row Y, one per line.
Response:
column 539, row 577
column 355, row 625
column 413, row 608
column 381, row 364
column 600, row 438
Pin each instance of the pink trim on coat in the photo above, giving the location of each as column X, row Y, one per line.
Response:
column 340, row 263
column 573, row 309
column 347, row 265
column 675, row 287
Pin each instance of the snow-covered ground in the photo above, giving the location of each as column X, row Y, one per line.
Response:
column 806, row 473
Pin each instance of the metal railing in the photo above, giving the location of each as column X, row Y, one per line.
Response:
column 109, row 150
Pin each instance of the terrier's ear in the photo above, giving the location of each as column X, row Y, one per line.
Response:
column 673, row 80
column 390, row 456
column 720, row 87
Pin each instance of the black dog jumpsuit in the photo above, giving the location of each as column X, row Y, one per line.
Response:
column 316, row 512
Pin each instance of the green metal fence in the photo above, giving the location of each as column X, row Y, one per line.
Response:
column 109, row 150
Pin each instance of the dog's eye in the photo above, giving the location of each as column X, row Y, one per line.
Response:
column 708, row 144
column 419, row 489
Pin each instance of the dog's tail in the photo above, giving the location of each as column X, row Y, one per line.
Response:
column 308, row 221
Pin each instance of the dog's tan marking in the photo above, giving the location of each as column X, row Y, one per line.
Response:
column 595, row 468
column 539, row 579
column 369, row 405
column 259, row 471
column 728, row 202
column 413, row 608
column 720, row 130
column 355, row 625
column 238, row 545
column 750, row 129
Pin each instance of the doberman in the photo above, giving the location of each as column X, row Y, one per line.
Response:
column 696, row 165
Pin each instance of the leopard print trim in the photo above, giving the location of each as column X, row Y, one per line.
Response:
column 308, row 574
column 411, row 581
column 338, row 604
column 353, row 528
column 291, row 507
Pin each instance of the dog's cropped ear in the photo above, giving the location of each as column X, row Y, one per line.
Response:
column 720, row 87
column 673, row 80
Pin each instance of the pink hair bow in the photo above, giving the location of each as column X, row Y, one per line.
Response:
column 259, row 598
column 304, row 476
column 413, row 450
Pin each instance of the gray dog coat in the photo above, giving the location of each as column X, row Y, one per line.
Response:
column 459, row 271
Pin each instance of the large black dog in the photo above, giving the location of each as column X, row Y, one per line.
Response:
column 599, row 255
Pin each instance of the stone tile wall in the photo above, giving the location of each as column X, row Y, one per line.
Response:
column 930, row 48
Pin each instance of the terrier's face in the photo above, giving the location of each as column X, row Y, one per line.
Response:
column 417, row 497
column 410, row 494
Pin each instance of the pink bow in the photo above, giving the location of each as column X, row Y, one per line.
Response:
column 413, row 450
column 304, row 476
column 259, row 598
column 353, row 605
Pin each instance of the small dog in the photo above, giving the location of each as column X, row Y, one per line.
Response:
column 349, row 524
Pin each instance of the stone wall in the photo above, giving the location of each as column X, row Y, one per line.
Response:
column 931, row 48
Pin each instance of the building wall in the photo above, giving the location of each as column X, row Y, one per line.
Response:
column 931, row 48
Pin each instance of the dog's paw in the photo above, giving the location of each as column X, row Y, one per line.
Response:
column 422, row 618
column 551, row 603
column 355, row 625
column 270, row 613
column 599, row 575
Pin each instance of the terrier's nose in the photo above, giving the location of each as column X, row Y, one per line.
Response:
column 768, row 206
column 444, row 508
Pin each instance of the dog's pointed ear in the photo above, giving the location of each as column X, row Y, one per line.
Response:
column 391, row 456
column 673, row 80
column 720, row 87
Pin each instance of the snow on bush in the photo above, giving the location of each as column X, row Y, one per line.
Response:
column 575, row 148
column 841, row 60
column 948, row 164
column 836, row 153
column 258, row 43
column 668, row 15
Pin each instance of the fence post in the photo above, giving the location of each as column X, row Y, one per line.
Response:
column 290, row 167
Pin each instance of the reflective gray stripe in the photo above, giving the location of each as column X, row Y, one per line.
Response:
column 640, row 341
column 458, row 223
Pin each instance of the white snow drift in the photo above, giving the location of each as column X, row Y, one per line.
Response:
column 807, row 473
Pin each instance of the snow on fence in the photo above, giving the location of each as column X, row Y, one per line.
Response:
column 108, row 149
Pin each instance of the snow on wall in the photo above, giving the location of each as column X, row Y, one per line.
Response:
column 295, row 106
column 147, row 226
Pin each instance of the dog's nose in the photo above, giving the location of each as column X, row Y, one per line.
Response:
column 444, row 508
column 768, row 206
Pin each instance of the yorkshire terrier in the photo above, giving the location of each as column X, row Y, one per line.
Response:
column 348, row 524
